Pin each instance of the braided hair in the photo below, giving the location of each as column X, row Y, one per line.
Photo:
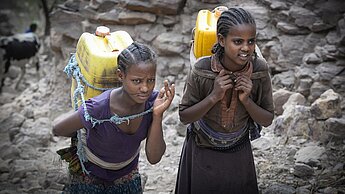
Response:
column 228, row 19
column 134, row 54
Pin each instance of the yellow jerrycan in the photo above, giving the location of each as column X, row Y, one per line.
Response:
column 96, row 56
column 205, row 34
column 205, row 31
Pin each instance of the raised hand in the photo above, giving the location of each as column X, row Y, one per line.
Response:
column 164, row 99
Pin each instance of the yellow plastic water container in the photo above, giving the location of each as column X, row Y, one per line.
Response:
column 205, row 31
column 96, row 56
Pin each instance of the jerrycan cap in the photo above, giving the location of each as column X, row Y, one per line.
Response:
column 102, row 31
column 218, row 10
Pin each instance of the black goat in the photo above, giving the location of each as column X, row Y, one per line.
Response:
column 19, row 49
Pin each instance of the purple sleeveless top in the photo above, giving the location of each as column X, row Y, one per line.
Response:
column 108, row 142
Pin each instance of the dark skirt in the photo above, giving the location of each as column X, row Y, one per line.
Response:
column 204, row 170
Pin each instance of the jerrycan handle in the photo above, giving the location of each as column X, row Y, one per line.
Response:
column 104, row 32
column 112, row 43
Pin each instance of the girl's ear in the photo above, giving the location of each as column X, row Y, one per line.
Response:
column 120, row 75
column 221, row 40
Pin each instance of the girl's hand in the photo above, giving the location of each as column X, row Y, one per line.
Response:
column 221, row 84
column 244, row 86
column 164, row 99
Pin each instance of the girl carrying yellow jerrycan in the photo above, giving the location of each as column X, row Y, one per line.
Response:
column 204, row 34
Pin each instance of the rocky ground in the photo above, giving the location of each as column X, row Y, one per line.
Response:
column 302, row 152
column 29, row 163
column 275, row 159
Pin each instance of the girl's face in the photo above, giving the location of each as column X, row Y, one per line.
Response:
column 239, row 46
column 139, row 81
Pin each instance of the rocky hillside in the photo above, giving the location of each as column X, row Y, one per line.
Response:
column 303, row 41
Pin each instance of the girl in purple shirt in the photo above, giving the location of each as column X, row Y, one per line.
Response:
column 126, row 116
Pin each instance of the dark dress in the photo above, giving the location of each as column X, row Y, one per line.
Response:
column 204, row 168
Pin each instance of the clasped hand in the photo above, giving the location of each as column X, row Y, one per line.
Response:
column 243, row 84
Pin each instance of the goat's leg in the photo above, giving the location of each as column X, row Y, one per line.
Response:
column 2, row 79
column 7, row 65
column 4, row 71
column 2, row 83
column 21, row 76
column 37, row 64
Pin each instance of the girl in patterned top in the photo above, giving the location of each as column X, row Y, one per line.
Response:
column 223, row 93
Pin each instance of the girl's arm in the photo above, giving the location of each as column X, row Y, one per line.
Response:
column 258, row 114
column 198, row 110
column 67, row 124
column 193, row 113
column 155, row 144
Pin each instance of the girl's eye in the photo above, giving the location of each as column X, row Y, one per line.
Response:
column 251, row 42
column 136, row 81
column 151, row 80
column 237, row 42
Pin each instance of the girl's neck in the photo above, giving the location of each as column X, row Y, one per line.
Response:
column 229, row 66
column 123, row 100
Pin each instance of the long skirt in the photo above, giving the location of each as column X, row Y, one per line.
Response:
column 83, row 184
column 209, row 171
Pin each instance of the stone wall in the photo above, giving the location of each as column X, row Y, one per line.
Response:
column 303, row 41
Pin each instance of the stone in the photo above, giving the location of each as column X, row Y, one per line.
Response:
column 277, row 5
column 303, row 170
column 319, row 25
column 280, row 97
column 336, row 128
column 291, row 28
column 327, row 106
column 108, row 18
column 262, row 144
column 8, row 151
column 295, row 99
column 310, row 155
column 161, row 7
column 171, row 43
column 316, row 89
column 15, row 120
column 135, row 18
column 312, row 58
column 61, row 22
column 328, row 71
column 303, row 17
column 284, row 80
column 303, row 86
column 279, row 189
